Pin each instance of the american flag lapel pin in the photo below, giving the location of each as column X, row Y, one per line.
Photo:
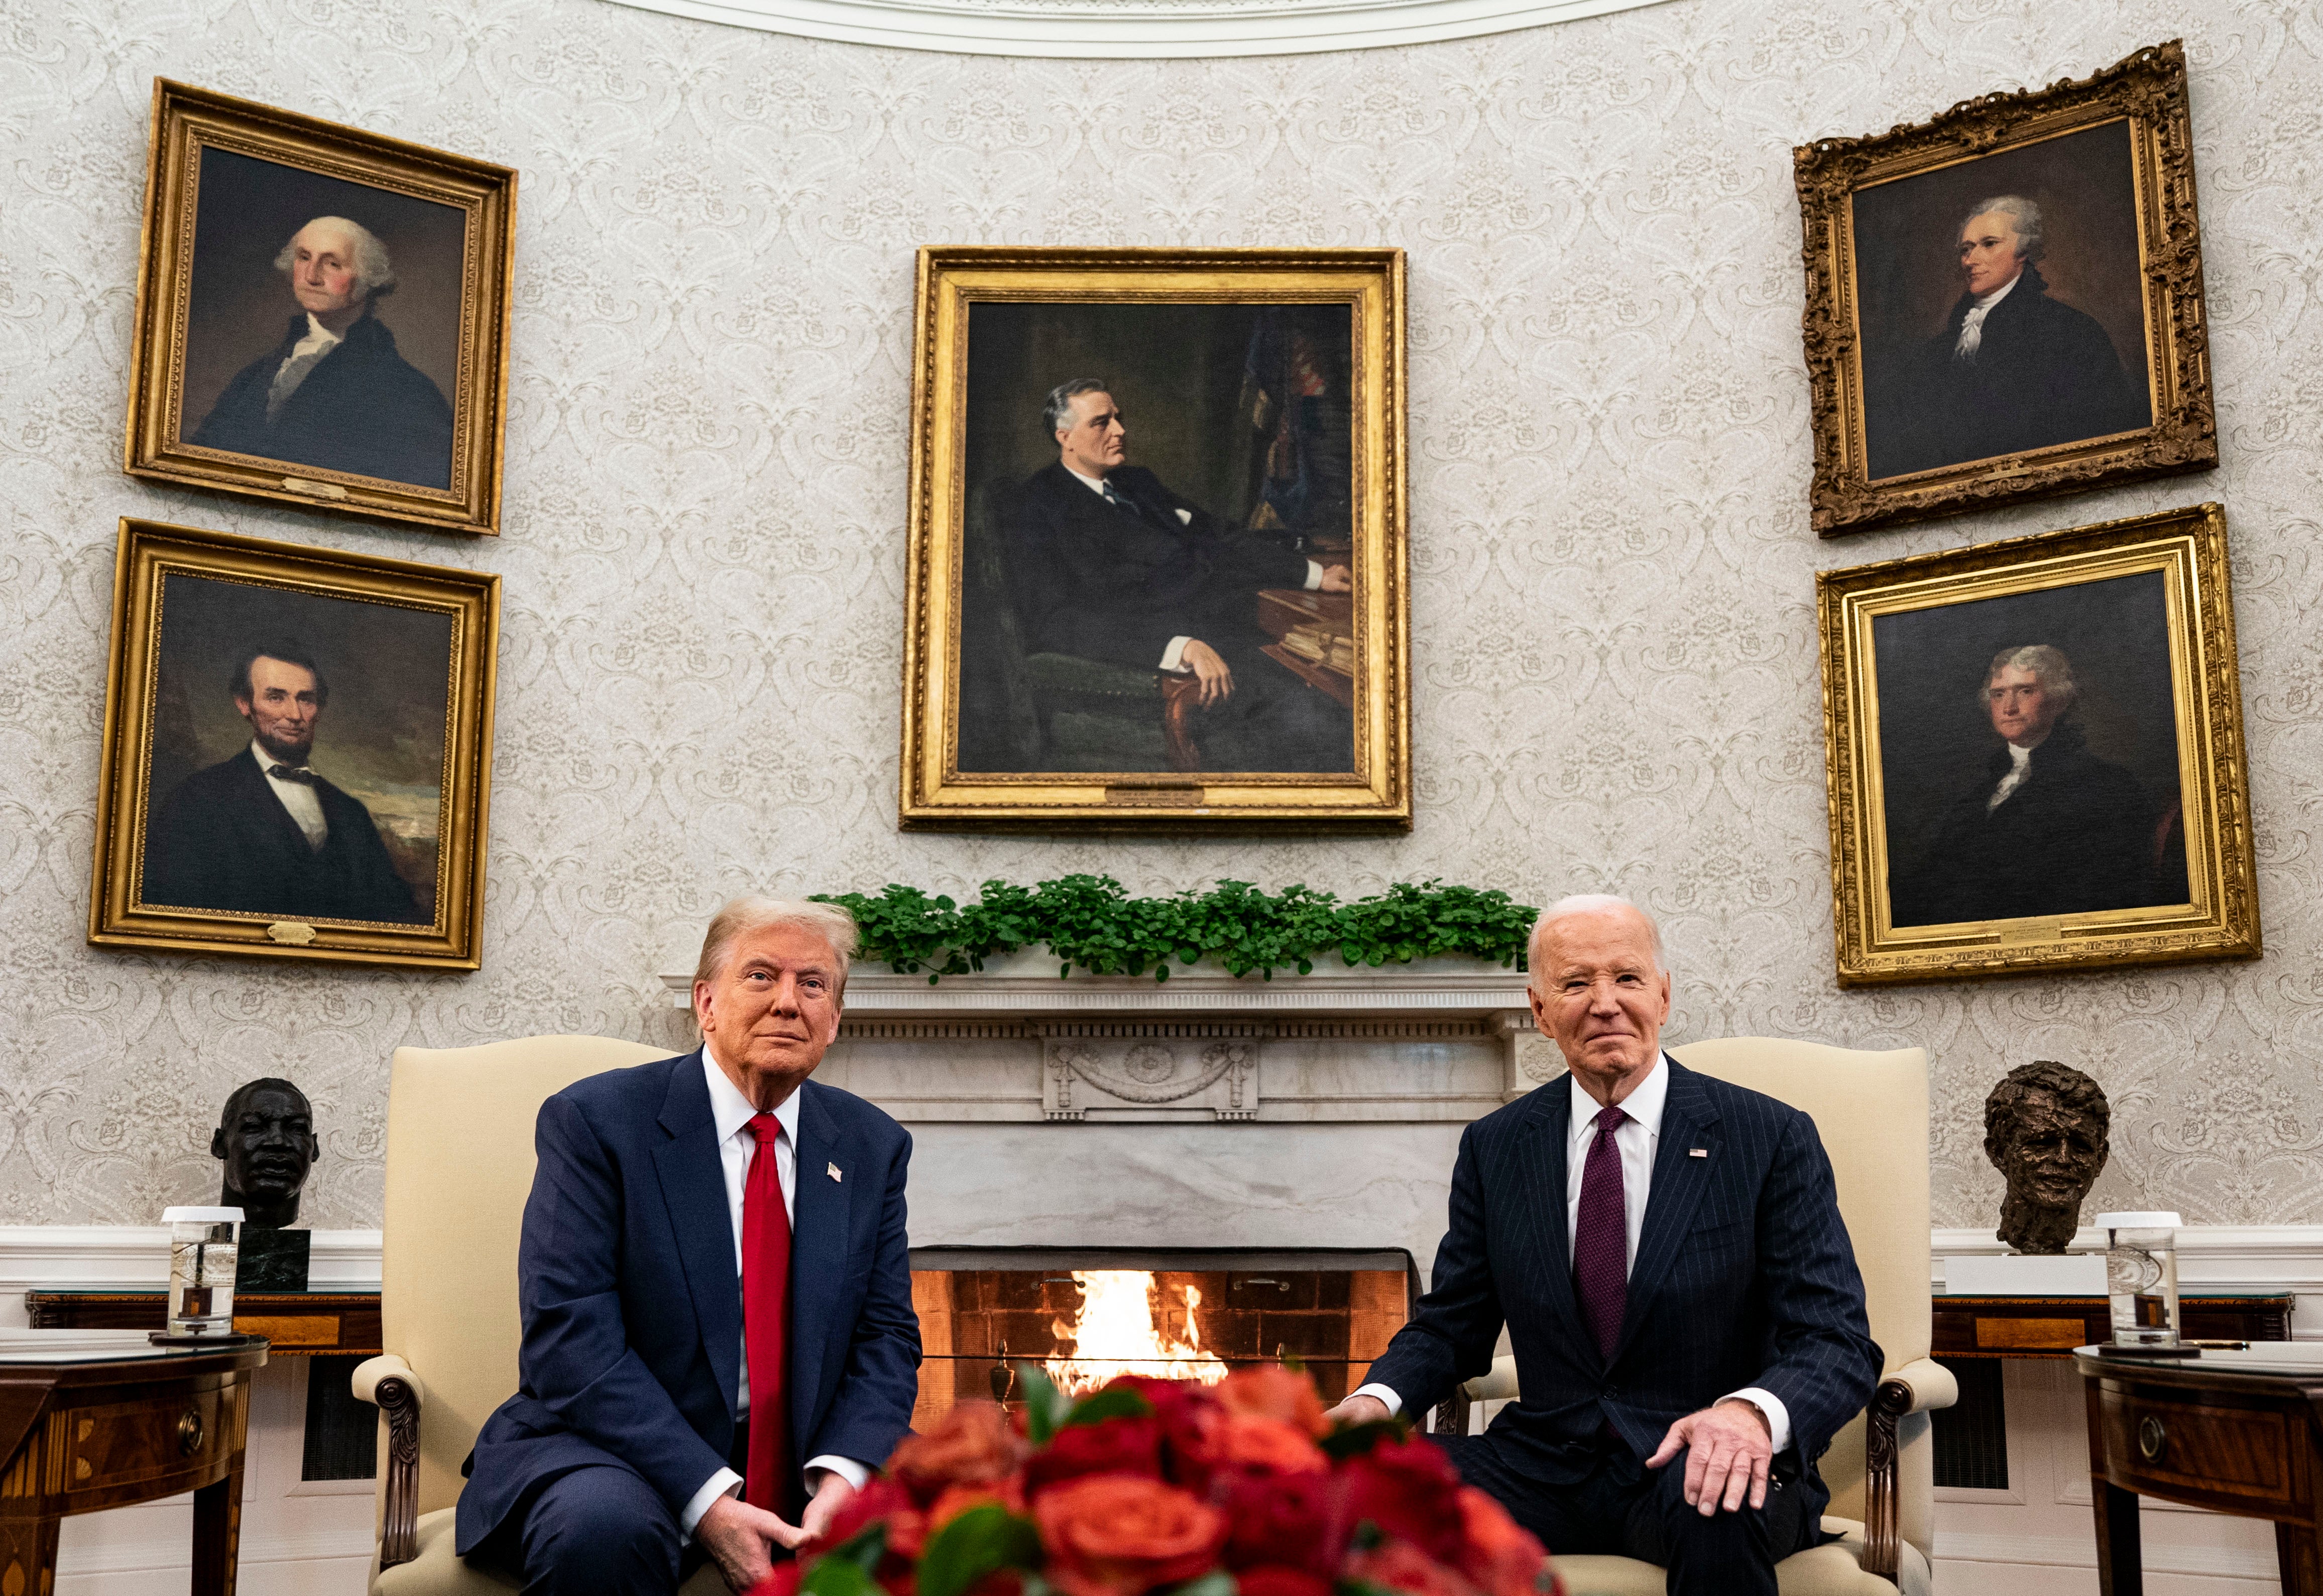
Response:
column 1697, row 1152
column 832, row 1170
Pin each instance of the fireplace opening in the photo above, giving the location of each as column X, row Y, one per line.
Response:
column 1084, row 1314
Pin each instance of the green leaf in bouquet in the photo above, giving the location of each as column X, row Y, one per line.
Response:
column 1119, row 1401
column 972, row 1546
column 841, row 1576
column 1355, row 1439
column 1216, row 1582
column 1046, row 1406
column 1361, row 1588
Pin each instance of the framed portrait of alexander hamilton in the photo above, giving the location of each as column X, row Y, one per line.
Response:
column 2035, row 755
column 1157, row 576
column 321, row 316
column 2006, row 301
column 297, row 748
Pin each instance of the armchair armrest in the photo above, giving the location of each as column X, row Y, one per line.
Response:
column 387, row 1383
column 1496, row 1385
column 1917, row 1387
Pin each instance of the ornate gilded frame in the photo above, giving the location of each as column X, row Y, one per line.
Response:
column 2188, row 547
column 186, row 121
column 149, row 552
column 2149, row 90
column 936, row 796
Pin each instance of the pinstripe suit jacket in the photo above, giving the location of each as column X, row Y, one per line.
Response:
column 1743, row 1277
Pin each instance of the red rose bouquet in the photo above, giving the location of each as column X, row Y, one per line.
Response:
column 1239, row 1489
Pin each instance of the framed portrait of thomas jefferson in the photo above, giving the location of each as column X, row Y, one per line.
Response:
column 2005, row 302
column 1157, row 542
column 297, row 752
column 321, row 316
column 2035, row 755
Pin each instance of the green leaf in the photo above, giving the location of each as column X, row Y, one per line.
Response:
column 972, row 1546
column 1355, row 1439
column 864, row 1549
column 836, row 1576
column 1046, row 1406
column 1216, row 1582
column 1113, row 1402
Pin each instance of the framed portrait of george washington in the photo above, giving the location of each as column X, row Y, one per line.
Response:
column 297, row 746
column 2006, row 301
column 1157, row 577
column 2035, row 755
column 321, row 316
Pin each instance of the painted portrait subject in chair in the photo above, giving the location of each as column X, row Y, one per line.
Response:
column 719, row 1340
column 1666, row 1254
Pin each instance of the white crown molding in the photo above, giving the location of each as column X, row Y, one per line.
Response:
column 1137, row 30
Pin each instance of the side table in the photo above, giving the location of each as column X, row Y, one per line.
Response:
column 106, row 1419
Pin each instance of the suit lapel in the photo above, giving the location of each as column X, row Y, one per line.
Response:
column 1689, row 1121
column 694, row 1184
column 819, row 1228
column 285, row 830
column 1550, row 1128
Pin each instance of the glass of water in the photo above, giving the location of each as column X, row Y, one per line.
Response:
column 202, row 1256
column 2142, row 1276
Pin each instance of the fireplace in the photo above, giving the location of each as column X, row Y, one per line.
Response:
column 1086, row 1314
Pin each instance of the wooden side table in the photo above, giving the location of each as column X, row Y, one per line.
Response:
column 2238, row 1433
column 108, row 1419
column 2055, row 1327
column 343, row 1319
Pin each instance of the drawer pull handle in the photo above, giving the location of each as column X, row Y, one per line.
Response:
column 2153, row 1440
column 189, row 1431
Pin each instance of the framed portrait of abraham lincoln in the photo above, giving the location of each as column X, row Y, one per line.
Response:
column 321, row 316
column 1156, row 578
column 297, row 752
column 2035, row 755
column 2005, row 302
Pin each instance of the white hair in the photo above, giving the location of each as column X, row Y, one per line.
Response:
column 2048, row 663
column 1592, row 903
column 1057, row 414
column 372, row 270
column 2024, row 215
column 744, row 915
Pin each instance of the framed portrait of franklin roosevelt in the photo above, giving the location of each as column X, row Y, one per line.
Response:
column 2006, row 301
column 297, row 752
column 2035, row 755
column 1156, row 578
column 321, row 316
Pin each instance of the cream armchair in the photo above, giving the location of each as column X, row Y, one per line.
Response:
column 459, row 1165
column 1872, row 1111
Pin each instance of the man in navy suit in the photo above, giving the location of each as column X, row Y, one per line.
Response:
column 1667, row 1254
column 715, row 1286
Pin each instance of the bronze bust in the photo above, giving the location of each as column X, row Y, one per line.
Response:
column 2045, row 1127
column 266, row 1135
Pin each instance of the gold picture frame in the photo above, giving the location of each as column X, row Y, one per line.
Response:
column 1051, row 679
column 2120, row 835
column 226, row 652
column 390, row 408
column 2096, row 372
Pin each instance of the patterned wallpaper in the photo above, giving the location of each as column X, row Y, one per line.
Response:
column 1615, row 665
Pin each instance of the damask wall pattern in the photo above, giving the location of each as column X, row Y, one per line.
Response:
column 1615, row 674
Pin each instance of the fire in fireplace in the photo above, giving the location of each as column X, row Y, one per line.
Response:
column 1085, row 1314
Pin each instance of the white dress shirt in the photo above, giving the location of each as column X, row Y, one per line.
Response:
column 733, row 1112
column 305, row 355
column 1173, row 657
column 1636, row 1139
column 1971, row 332
column 296, row 797
column 2020, row 766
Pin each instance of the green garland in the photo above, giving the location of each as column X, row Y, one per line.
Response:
column 1091, row 922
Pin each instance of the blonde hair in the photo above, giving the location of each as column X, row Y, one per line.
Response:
column 744, row 915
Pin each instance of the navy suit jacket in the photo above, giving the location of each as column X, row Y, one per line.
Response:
column 1743, row 1277
column 633, row 1310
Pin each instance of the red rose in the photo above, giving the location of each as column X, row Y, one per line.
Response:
column 1272, row 1391
column 1121, row 1535
column 1116, row 1446
column 881, row 1501
column 1500, row 1557
column 1408, row 1488
column 1399, row 1565
column 1271, row 1579
column 1284, row 1520
column 783, row 1582
column 1191, row 1424
column 1009, row 1493
column 1270, row 1446
column 972, row 1444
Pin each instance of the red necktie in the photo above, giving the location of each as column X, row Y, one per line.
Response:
column 1600, row 1236
column 766, row 1319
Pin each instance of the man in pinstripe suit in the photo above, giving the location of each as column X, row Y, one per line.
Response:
column 1667, row 1254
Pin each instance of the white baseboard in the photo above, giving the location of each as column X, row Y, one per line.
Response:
column 2043, row 1551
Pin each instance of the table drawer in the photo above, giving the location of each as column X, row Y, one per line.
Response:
column 104, row 1446
column 2200, row 1450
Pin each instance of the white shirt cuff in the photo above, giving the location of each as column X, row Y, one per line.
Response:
column 1173, row 657
column 1386, row 1394
column 1314, row 577
column 724, row 1482
column 1778, row 1417
column 845, row 1468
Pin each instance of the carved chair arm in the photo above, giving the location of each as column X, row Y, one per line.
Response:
column 1915, row 1388
column 387, row 1383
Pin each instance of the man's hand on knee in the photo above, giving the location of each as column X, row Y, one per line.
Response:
column 831, row 1492
column 1729, row 1451
column 1359, row 1409
column 737, row 1535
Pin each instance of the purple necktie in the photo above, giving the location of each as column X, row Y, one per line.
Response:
column 1601, row 1238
